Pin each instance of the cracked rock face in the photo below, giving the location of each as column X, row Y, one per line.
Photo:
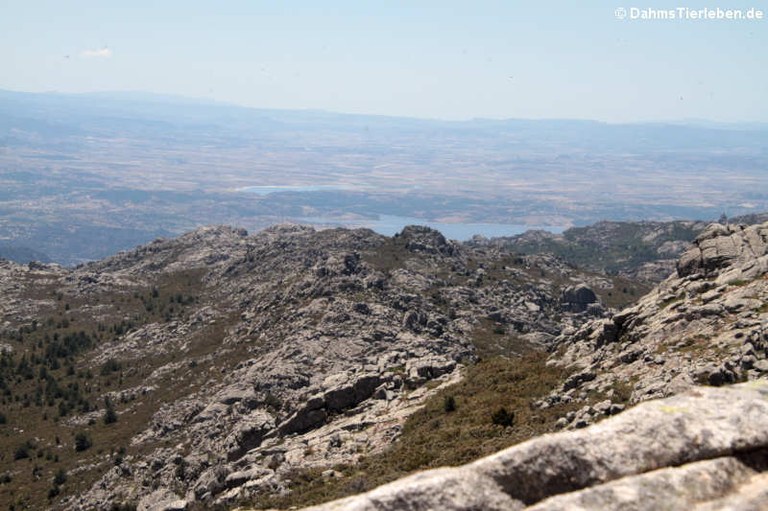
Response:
column 704, row 449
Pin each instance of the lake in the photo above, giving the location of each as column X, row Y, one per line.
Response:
column 266, row 190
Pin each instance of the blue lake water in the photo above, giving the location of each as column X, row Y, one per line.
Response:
column 266, row 190
column 392, row 224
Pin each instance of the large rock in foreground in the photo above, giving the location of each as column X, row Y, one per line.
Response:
column 705, row 449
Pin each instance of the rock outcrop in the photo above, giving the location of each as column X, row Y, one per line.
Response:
column 704, row 449
column 739, row 248
column 578, row 298
column 706, row 324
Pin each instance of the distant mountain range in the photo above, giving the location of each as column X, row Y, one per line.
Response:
column 89, row 110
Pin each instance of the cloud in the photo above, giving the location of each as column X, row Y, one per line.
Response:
column 103, row 53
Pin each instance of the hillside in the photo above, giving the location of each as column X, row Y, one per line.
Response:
column 643, row 251
column 706, row 324
column 22, row 254
column 214, row 366
column 294, row 366
column 702, row 448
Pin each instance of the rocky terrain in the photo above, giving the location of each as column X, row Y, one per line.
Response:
column 641, row 251
column 706, row 324
column 210, row 368
column 701, row 448
column 644, row 251
column 293, row 366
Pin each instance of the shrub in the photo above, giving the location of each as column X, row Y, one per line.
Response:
column 82, row 441
column 21, row 452
column 60, row 477
column 449, row 404
column 272, row 402
column 110, row 416
column 503, row 417
column 110, row 366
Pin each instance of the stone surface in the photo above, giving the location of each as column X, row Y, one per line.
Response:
column 578, row 298
column 161, row 500
column 707, row 447
column 721, row 246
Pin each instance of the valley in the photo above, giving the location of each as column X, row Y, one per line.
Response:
column 125, row 169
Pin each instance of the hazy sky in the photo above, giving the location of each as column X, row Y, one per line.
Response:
column 446, row 59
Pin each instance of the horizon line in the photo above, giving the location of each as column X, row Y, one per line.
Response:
column 202, row 100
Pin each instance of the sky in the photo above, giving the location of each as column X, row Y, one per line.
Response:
column 429, row 59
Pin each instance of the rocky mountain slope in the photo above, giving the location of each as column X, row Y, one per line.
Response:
column 212, row 368
column 702, row 448
column 706, row 324
column 645, row 251
column 293, row 366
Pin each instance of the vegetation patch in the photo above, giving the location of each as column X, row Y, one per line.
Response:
column 390, row 255
column 48, row 379
column 490, row 340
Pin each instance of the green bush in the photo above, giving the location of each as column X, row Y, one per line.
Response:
column 82, row 442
